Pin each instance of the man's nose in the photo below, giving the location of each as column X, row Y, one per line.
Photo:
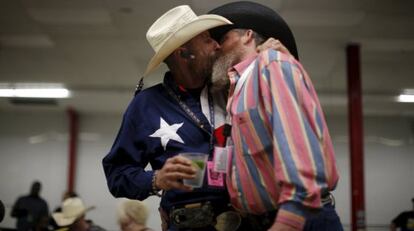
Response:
column 216, row 45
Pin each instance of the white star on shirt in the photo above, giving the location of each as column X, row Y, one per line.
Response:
column 168, row 132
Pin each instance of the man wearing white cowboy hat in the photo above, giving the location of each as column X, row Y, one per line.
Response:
column 174, row 117
column 72, row 216
column 180, row 115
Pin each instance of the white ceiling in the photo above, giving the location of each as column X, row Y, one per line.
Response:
column 97, row 48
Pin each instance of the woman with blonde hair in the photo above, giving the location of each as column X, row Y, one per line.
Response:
column 133, row 216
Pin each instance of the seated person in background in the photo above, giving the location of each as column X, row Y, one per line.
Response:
column 72, row 216
column 404, row 221
column 132, row 216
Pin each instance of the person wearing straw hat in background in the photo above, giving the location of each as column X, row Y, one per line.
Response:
column 283, row 164
column 72, row 216
column 179, row 115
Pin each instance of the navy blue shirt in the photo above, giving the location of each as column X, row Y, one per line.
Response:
column 137, row 145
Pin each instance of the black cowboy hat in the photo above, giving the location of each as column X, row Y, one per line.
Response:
column 260, row 18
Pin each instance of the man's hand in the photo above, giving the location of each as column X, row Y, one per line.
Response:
column 274, row 44
column 281, row 227
column 175, row 169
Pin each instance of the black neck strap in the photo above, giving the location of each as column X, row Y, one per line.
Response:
column 193, row 116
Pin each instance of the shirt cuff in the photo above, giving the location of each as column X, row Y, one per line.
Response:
column 145, row 185
column 292, row 214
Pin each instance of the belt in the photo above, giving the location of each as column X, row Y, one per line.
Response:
column 196, row 215
column 200, row 215
column 328, row 199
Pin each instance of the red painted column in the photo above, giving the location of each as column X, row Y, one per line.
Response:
column 73, row 147
column 355, row 122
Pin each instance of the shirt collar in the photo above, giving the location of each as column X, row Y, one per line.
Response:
column 240, row 67
column 180, row 90
column 236, row 71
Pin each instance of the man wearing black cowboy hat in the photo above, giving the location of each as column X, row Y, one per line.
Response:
column 282, row 161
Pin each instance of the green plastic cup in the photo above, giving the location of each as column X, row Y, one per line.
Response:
column 199, row 162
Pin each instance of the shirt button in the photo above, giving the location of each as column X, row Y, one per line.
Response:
column 239, row 194
column 202, row 126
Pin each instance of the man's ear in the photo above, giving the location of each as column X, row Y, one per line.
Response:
column 178, row 53
column 248, row 37
column 184, row 53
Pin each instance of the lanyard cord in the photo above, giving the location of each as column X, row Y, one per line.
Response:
column 192, row 115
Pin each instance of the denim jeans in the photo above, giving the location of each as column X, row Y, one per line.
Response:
column 326, row 220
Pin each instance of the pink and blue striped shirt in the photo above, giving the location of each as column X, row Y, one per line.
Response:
column 283, row 156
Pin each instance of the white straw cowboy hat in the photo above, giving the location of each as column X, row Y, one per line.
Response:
column 72, row 209
column 176, row 27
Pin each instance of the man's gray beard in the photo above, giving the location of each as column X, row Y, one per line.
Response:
column 220, row 81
